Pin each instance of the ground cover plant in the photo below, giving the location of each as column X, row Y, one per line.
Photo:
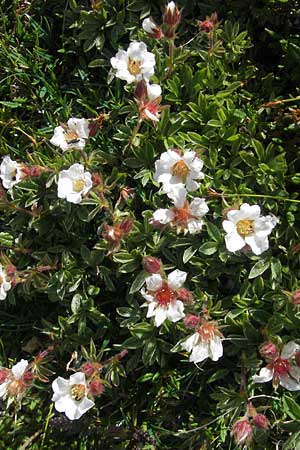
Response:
column 149, row 234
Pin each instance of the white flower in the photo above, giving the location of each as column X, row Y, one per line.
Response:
column 178, row 173
column 205, row 343
column 5, row 285
column 247, row 226
column 15, row 380
column 72, row 135
column 134, row 64
column 74, row 183
column 70, row 396
column 10, row 172
column 184, row 216
column 282, row 370
column 162, row 297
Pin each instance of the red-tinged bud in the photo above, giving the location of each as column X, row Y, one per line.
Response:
column 36, row 171
column 122, row 354
column 191, row 321
column 242, row 431
column 88, row 368
column 96, row 179
column 151, row 28
column 152, row 264
column 171, row 15
column 3, row 375
column 261, row 421
column 28, row 377
column 10, row 270
column 141, row 91
column 26, row 171
column 209, row 23
column 269, row 351
column 126, row 225
column 96, row 388
column 185, row 296
column 296, row 297
column 96, row 124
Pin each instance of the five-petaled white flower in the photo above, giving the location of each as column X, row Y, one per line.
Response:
column 16, row 380
column 5, row 285
column 10, row 172
column 178, row 172
column 281, row 369
column 72, row 135
column 184, row 216
column 205, row 343
column 74, row 183
column 70, row 396
column 163, row 298
column 247, row 227
column 134, row 64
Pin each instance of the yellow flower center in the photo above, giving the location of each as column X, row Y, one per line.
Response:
column 245, row 227
column 77, row 391
column 1, row 280
column 180, row 169
column 78, row 185
column 71, row 136
column 134, row 67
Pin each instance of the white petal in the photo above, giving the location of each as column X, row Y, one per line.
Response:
column 77, row 378
column 153, row 91
column 151, row 116
column 289, row 350
column 200, row 352
column 59, row 138
column 264, row 376
column 85, row 405
column 61, row 386
column 151, row 309
column 74, row 197
column 154, row 282
column 229, row 226
column 190, row 342
column 176, row 192
column 176, row 278
column 163, row 216
column 258, row 246
column 147, row 296
column 19, row 369
column 148, row 25
column 195, row 226
column 216, row 348
column 3, row 388
column 191, row 185
column 288, row 382
column 295, row 372
column 81, row 126
column 234, row 242
column 263, row 226
column 199, row 207
column 175, row 311
column 250, row 212
column 160, row 316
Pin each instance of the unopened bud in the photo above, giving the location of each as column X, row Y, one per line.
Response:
column 28, row 377
column 296, row 297
column 185, row 296
column 141, row 90
column 261, row 421
column 96, row 179
column 171, row 15
column 152, row 264
column 3, row 375
column 26, row 171
column 10, row 270
column 242, row 431
column 269, row 351
column 88, row 368
column 191, row 321
column 35, row 171
column 96, row 388
column 151, row 28
column 126, row 225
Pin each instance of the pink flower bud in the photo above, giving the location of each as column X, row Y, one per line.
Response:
column 261, row 421
column 26, row 171
column 191, row 321
column 96, row 179
column 88, row 368
column 10, row 270
column 96, row 388
column 35, row 171
column 269, row 351
column 3, row 375
column 185, row 296
column 152, row 264
column 296, row 297
column 141, row 90
column 151, row 28
column 28, row 377
column 242, row 431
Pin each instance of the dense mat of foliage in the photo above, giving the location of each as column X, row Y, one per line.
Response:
column 82, row 258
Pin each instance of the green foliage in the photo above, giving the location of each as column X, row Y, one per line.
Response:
column 77, row 293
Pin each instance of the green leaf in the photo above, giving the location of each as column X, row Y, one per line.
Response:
column 291, row 408
column 188, row 254
column 208, row 248
column 260, row 267
column 138, row 282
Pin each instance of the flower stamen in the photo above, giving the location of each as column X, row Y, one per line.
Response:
column 180, row 169
column 134, row 66
column 78, row 185
column 78, row 392
column 245, row 227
